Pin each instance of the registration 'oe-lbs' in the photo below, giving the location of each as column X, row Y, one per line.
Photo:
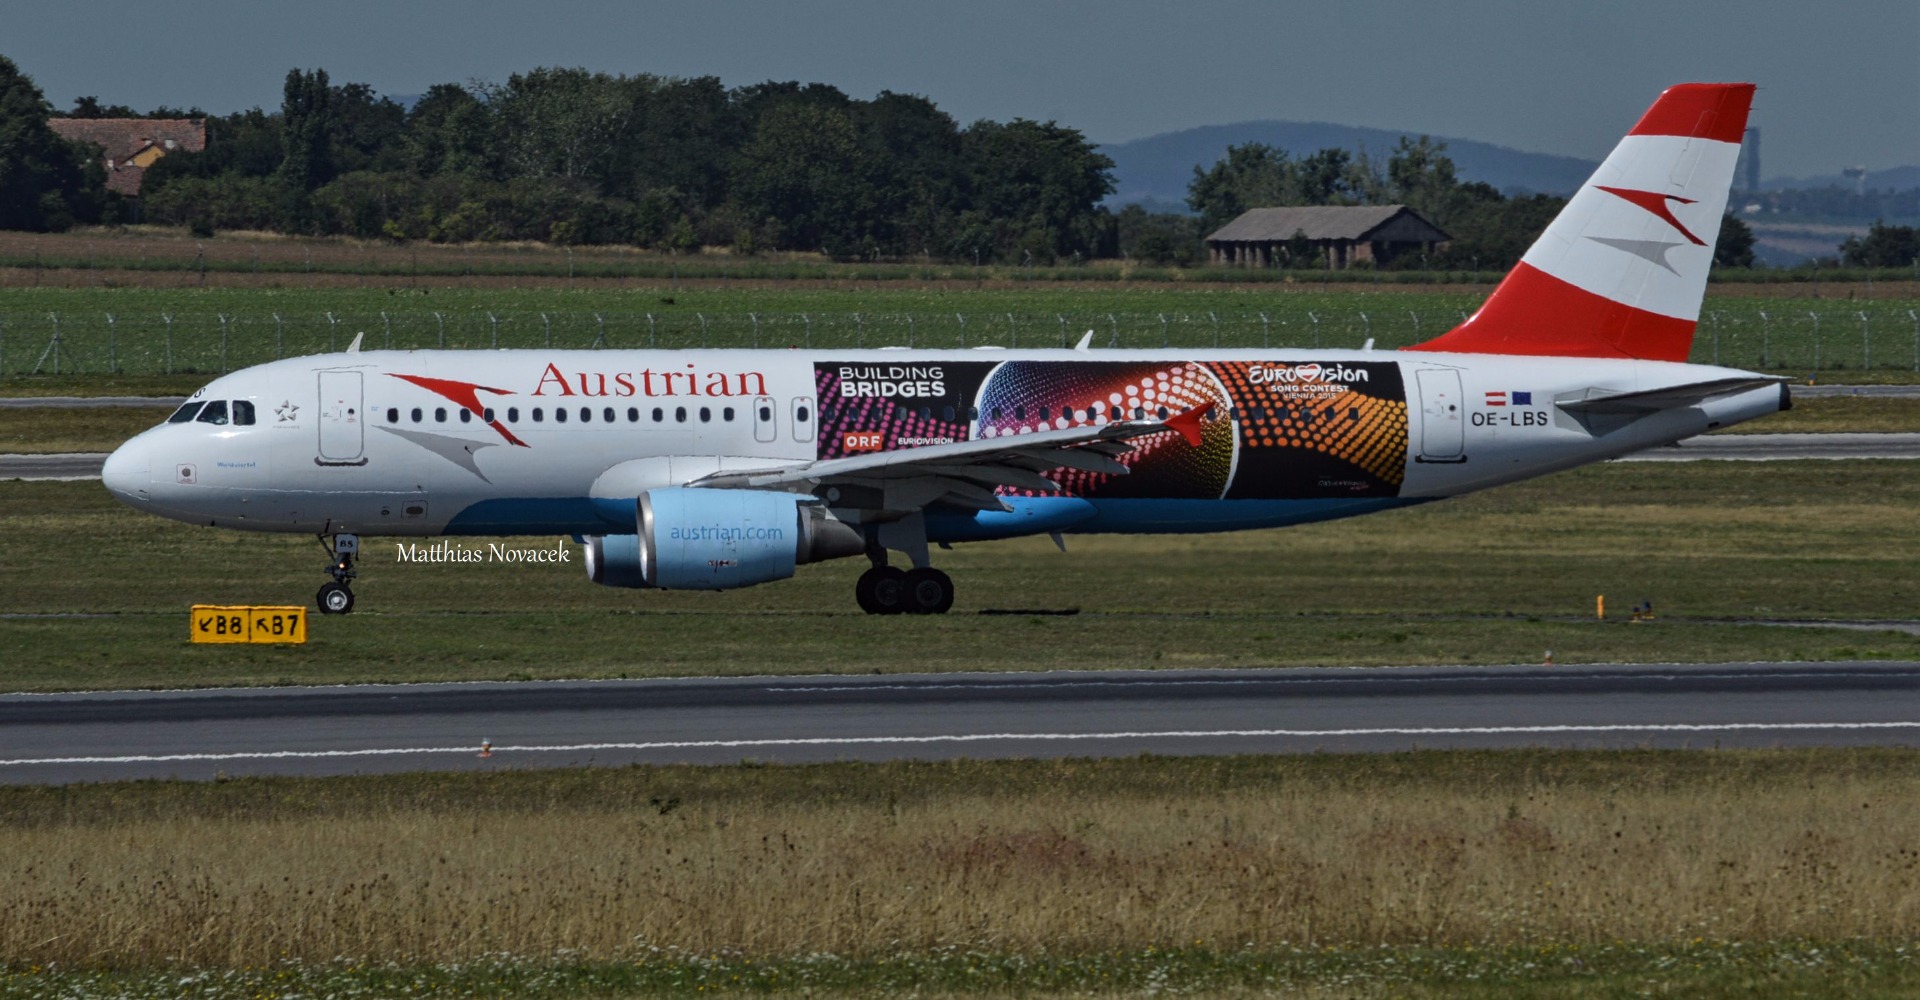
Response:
column 712, row 469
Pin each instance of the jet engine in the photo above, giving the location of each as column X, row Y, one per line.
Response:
column 689, row 538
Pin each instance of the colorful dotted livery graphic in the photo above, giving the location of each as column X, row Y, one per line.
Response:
column 1275, row 430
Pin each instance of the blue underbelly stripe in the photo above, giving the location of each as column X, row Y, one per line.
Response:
column 1030, row 516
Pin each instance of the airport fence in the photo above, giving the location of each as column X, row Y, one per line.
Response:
column 1836, row 338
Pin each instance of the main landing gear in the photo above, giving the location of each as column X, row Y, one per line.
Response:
column 336, row 598
column 889, row 590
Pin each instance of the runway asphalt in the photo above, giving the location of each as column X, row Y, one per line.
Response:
column 47, row 739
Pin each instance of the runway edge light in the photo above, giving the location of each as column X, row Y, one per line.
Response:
column 268, row 624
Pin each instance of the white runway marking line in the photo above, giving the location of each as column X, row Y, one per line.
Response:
column 1576, row 672
column 812, row 741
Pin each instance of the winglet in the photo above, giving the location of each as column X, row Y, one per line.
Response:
column 1085, row 343
column 1187, row 422
column 354, row 348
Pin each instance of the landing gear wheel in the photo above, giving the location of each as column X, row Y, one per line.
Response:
column 928, row 591
column 882, row 590
column 334, row 599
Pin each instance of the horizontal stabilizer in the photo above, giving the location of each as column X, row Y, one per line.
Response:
column 1669, row 397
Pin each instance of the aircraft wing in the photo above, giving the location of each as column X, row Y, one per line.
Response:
column 964, row 473
column 1653, row 400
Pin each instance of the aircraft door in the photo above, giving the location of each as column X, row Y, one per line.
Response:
column 342, row 419
column 765, row 429
column 1443, row 416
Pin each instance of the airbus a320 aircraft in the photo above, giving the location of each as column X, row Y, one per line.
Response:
column 711, row 469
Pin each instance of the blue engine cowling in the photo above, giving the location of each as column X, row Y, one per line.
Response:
column 705, row 539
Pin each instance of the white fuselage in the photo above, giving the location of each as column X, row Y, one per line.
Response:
column 423, row 443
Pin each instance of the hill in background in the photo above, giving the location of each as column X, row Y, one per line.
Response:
column 1155, row 170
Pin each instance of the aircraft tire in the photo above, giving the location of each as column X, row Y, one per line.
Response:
column 882, row 590
column 928, row 591
column 334, row 599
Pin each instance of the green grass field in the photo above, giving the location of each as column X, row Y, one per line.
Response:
column 1496, row 577
column 211, row 330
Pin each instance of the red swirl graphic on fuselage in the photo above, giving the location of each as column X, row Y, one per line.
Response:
column 466, row 394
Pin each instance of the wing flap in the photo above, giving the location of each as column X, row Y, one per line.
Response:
column 963, row 472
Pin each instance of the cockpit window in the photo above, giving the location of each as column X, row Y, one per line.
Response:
column 186, row 412
column 215, row 413
column 243, row 413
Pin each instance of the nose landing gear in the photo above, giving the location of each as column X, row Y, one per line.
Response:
column 336, row 598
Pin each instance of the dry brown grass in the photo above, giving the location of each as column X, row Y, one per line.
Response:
column 1030, row 857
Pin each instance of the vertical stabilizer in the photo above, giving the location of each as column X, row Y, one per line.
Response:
column 1621, row 270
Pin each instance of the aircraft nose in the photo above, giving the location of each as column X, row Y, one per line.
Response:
column 126, row 473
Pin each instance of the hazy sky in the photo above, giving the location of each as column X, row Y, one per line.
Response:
column 1839, row 82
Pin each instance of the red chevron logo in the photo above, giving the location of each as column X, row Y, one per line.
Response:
column 466, row 394
column 1656, row 203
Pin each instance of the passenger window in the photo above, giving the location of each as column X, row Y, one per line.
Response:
column 1353, row 414
column 415, row 414
column 1020, row 412
column 513, row 414
column 1163, row 413
column 727, row 414
column 607, row 414
column 466, row 415
column 439, row 414
column 559, row 414
column 487, row 414
column 393, row 414
column 800, row 414
column 215, row 412
column 659, row 415
column 242, row 413
column 633, row 414
column 1114, row 413
column 185, row 413
column 766, row 413
column 680, row 414
column 586, row 414
column 705, row 414
column 538, row 415
column 946, row 413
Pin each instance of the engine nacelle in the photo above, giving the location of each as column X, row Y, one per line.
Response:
column 704, row 539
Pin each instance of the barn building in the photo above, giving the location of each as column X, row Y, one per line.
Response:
column 130, row 145
column 1340, row 235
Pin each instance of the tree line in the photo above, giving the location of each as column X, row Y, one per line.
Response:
column 569, row 156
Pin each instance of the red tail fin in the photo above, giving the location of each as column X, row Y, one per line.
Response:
column 1621, row 271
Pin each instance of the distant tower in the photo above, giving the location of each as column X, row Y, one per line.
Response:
column 1751, row 148
column 1858, row 175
